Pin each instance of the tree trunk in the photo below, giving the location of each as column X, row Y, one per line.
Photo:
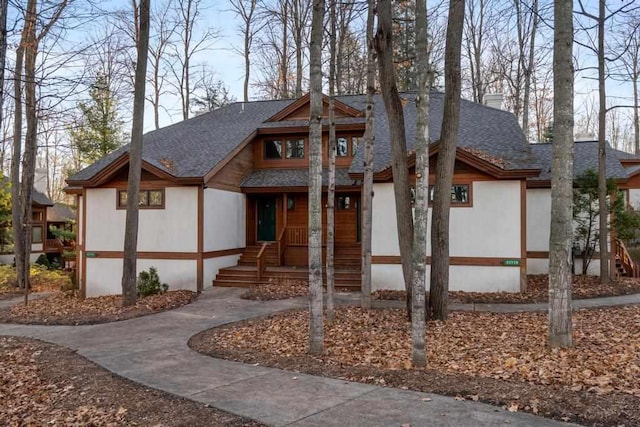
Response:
column 395, row 116
column 316, row 327
column 369, row 140
column 331, row 152
column 529, row 69
column 561, row 238
column 602, row 154
column 31, row 136
column 421, row 147
column 247, row 49
column 3, row 60
column 135, row 163
column 636, row 120
column 439, row 289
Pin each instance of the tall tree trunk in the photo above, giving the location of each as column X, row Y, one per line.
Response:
column 561, row 238
column 369, row 140
column 3, row 60
column 602, row 153
column 331, row 152
column 316, row 327
column 135, row 163
column 384, row 48
column 421, row 147
column 636, row 120
column 19, row 226
column 528, row 72
column 31, row 135
column 247, row 49
column 439, row 289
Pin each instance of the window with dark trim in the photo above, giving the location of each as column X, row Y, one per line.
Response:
column 342, row 147
column 355, row 143
column 344, row 203
column 460, row 194
column 295, row 149
column 36, row 234
column 291, row 203
column 272, row 149
column 148, row 199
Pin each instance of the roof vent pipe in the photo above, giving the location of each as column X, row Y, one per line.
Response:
column 493, row 100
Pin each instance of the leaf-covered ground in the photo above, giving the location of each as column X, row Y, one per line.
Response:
column 497, row 358
column 42, row 280
column 537, row 291
column 43, row 384
column 63, row 309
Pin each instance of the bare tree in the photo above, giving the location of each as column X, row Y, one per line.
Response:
column 383, row 42
column 421, row 148
column 475, row 20
column 560, row 241
column 3, row 60
column 246, row 10
column 159, row 44
column 300, row 10
column 22, row 187
column 629, row 44
column 331, row 153
column 369, row 141
column 316, row 326
column 189, row 14
column 129, row 260
column 439, row 290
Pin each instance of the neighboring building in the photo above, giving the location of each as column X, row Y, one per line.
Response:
column 225, row 193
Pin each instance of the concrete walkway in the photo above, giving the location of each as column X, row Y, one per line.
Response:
column 153, row 351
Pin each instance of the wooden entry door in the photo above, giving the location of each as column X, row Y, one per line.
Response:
column 266, row 220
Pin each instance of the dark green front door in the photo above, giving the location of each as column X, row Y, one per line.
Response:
column 266, row 220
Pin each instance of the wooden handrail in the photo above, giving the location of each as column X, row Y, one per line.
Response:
column 282, row 245
column 625, row 258
column 260, row 263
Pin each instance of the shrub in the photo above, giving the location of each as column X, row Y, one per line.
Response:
column 149, row 283
column 43, row 261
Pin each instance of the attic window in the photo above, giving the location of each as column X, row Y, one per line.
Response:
column 148, row 199
column 272, row 149
column 342, row 147
column 355, row 143
column 295, row 149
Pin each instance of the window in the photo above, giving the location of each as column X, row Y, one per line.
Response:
column 355, row 143
column 272, row 149
column 459, row 194
column 295, row 149
column 149, row 199
column 344, row 202
column 342, row 147
column 37, row 216
column 291, row 203
column 36, row 234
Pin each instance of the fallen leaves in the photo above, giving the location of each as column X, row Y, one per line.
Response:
column 605, row 359
column 583, row 287
column 62, row 309
column 43, row 384
column 277, row 290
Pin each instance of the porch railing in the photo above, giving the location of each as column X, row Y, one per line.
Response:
column 261, row 263
column 282, row 245
column 53, row 245
column 627, row 263
column 297, row 236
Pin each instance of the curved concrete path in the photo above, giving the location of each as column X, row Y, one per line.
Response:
column 153, row 351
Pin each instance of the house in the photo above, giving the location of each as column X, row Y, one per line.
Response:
column 40, row 242
column 223, row 199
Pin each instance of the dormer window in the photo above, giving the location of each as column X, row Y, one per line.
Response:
column 272, row 149
column 342, row 147
column 295, row 149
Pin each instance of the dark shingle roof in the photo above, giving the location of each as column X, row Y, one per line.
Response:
column 585, row 158
column 491, row 131
column 36, row 196
column 260, row 178
column 623, row 155
column 193, row 147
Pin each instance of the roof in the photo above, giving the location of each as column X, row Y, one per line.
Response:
column 263, row 178
column 36, row 196
column 585, row 158
column 192, row 148
column 623, row 155
column 60, row 213
column 482, row 129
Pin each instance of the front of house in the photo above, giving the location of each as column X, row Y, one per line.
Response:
column 224, row 199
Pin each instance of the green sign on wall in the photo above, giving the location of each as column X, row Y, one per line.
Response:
column 511, row 262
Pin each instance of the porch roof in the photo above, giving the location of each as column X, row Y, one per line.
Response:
column 268, row 178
